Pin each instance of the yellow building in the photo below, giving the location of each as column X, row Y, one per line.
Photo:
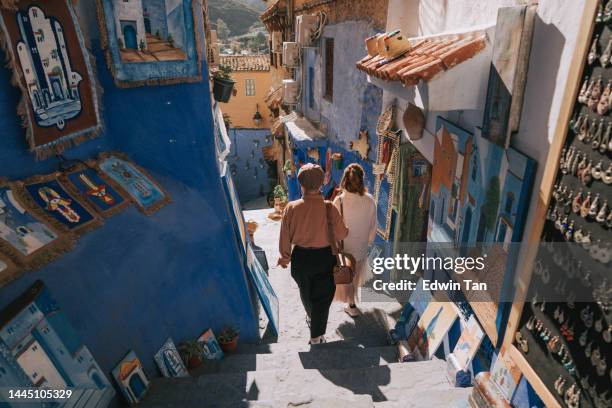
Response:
column 253, row 83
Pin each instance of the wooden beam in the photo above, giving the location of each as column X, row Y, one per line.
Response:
column 532, row 377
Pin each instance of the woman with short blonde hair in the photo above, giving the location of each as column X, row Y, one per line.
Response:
column 358, row 209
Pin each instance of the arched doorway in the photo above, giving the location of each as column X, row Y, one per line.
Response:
column 137, row 386
column 129, row 35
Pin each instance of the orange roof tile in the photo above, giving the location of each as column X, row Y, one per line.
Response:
column 246, row 62
column 427, row 58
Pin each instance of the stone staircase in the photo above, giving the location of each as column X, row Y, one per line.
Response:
column 336, row 374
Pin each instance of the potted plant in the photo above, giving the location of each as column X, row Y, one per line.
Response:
column 223, row 83
column 228, row 339
column 280, row 198
column 227, row 121
column 337, row 159
column 191, row 352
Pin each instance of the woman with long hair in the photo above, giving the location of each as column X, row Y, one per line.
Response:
column 359, row 212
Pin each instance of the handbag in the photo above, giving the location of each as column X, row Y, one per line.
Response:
column 344, row 270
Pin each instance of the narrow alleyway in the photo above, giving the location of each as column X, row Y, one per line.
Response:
column 355, row 368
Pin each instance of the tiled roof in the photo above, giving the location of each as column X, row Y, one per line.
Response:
column 428, row 57
column 247, row 62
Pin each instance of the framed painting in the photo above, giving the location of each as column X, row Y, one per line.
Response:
column 210, row 346
column 265, row 291
column 151, row 42
column 124, row 175
column 478, row 205
column 131, row 378
column 52, row 68
column 85, row 182
column 169, row 361
column 45, row 196
column 431, row 328
column 505, row 374
column 385, row 173
column 25, row 238
column 8, row 270
column 37, row 339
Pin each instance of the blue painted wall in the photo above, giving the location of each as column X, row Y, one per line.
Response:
column 247, row 165
column 138, row 280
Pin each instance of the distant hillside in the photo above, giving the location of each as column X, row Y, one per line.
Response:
column 237, row 14
column 257, row 5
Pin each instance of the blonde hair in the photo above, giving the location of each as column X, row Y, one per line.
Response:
column 352, row 179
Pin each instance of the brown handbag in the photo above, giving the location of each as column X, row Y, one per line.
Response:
column 344, row 270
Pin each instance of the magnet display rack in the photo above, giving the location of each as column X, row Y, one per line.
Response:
column 567, row 343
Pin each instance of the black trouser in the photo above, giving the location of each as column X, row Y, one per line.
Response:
column 312, row 270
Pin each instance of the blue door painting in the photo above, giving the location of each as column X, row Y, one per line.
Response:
column 131, row 378
column 129, row 34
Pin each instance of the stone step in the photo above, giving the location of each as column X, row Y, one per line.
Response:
column 301, row 346
column 393, row 382
column 319, row 358
column 451, row 398
column 357, row 401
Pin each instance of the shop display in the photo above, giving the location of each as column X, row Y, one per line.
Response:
column 505, row 374
column 131, row 378
column 265, row 292
column 52, row 68
column 24, row 237
column 509, row 65
column 169, row 361
column 479, row 194
column 124, row 175
column 46, row 197
column 156, row 43
column 38, row 338
column 431, row 328
column 85, row 182
column 565, row 330
column 467, row 345
column 361, row 145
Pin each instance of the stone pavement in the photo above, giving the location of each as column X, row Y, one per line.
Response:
column 356, row 367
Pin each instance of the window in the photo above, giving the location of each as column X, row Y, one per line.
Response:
column 249, row 87
column 329, row 69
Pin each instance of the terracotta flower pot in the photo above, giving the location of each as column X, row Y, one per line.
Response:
column 229, row 347
column 194, row 362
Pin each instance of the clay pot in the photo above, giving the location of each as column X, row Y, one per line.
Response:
column 229, row 347
column 194, row 362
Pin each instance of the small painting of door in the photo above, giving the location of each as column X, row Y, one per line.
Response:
column 147, row 24
column 56, row 86
column 129, row 34
column 137, row 386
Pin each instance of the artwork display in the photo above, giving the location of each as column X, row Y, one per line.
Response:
column 131, row 378
column 431, row 328
column 469, row 342
column 211, row 348
column 265, row 291
column 126, row 176
column 38, row 338
column 85, row 182
column 46, row 196
column 151, row 42
column 169, row 361
column 24, row 237
column 53, row 70
column 505, row 374
column 479, row 194
column 8, row 270
column 237, row 210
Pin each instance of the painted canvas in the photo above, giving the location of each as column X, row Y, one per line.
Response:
column 505, row 374
column 265, row 291
column 479, row 194
column 235, row 202
column 151, row 41
column 53, row 69
column 40, row 340
column 125, row 175
column 469, row 342
column 131, row 378
column 46, row 196
column 212, row 350
column 8, row 270
column 169, row 361
column 433, row 325
column 85, row 182
column 385, row 173
column 25, row 237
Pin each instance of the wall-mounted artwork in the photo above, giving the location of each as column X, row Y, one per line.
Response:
column 169, row 361
column 131, row 378
column 8, row 270
column 265, row 291
column 53, row 70
column 479, row 194
column 469, row 342
column 24, row 236
column 431, row 328
column 85, row 182
column 505, row 374
column 385, row 173
column 150, row 42
column 49, row 199
column 125, row 175
column 211, row 348
column 42, row 343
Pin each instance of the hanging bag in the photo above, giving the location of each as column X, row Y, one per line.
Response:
column 344, row 270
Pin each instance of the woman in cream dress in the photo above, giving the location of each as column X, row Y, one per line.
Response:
column 359, row 211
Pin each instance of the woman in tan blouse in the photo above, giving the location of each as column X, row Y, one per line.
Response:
column 305, row 243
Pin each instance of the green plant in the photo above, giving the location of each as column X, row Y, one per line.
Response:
column 120, row 42
column 280, row 193
column 227, row 120
column 228, row 334
column 190, row 349
column 142, row 45
column 171, row 39
column 223, row 72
